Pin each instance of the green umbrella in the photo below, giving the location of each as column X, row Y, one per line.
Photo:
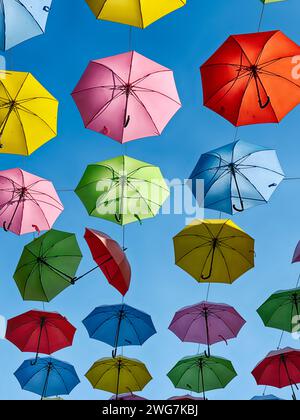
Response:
column 280, row 310
column 201, row 373
column 47, row 266
column 122, row 190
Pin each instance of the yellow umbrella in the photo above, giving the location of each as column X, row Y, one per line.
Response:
column 214, row 251
column 28, row 113
column 118, row 375
column 140, row 13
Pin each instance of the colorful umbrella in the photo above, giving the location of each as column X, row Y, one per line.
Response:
column 280, row 368
column 40, row 332
column 237, row 176
column 207, row 323
column 201, row 373
column 266, row 398
column 110, row 258
column 217, row 251
column 270, row 1
column 128, row 397
column 47, row 266
column 126, row 97
column 28, row 113
column 122, row 190
column 119, row 325
column 21, row 20
column 118, row 375
column 185, row 397
column 138, row 13
column 280, row 310
column 47, row 377
column 28, row 203
column 249, row 79
column 296, row 256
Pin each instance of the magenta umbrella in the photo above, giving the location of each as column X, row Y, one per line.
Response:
column 28, row 203
column 296, row 256
column 185, row 397
column 126, row 97
column 207, row 323
column 128, row 397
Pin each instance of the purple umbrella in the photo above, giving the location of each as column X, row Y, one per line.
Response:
column 127, row 397
column 207, row 323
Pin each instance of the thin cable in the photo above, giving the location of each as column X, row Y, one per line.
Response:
column 130, row 38
column 261, row 17
column 236, row 133
column 280, row 341
column 298, row 282
column 291, row 179
column 208, row 290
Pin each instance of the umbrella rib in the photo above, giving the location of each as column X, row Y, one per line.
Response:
column 31, row 15
column 144, row 107
column 149, row 182
column 22, row 127
column 61, row 377
column 238, row 252
column 226, row 265
column 104, row 108
column 254, row 187
column 24, row 109
column 136, row 91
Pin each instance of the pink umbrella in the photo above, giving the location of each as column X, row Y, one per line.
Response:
column 207, row 323
column 28, row 203
column 186, row 397
column 128, row 397
column 126, row 97
column 296, row 256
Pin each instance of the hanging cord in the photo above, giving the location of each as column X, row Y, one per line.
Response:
column 208, row 291
column 130, row 41
column 261, row 17
column 236, row 133
column 298, row 282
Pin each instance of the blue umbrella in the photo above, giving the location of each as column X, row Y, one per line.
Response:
column 119, row 325
column 237, row 176
column 21, row 20
column 47, row 377
column 266, row 398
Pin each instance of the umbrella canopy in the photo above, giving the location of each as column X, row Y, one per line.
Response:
column 280, row 310
column 185, row 397
column 118, row 375
column 214, row 251
column 270, row 1
column 28, row 113
column 280, row 368
column 47, row 377
column 28, row 203
column 250, row 78
column 40, row 332
column 129, row 397
column 110, row 258
column 201, row 373
column 47, row 266
column 21, row 20
column 126, row 97
column 207, row 323
column 122, row 190
column 119, row 325
column 296, row 256
column 237, row 176
column 266, row 398
column 134, row 13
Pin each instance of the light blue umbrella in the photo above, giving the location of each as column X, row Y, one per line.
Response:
column 266, row 398
column 21, row 20
column 237, row 176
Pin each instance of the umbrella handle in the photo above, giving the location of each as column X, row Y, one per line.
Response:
column 114, row 353
column 118, row 218
column 263, row 106
column 4, row 227
column 207, row 353
column 127, row 121
column 239, row 210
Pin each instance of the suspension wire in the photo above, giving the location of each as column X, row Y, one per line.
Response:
column 236, row 133
column 208, row 291
column 298, row 282
column 261, row 17
column 130, row 41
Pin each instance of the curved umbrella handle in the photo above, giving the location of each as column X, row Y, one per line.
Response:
column 36, row 229
column 127, row 121
column 241, row 209
column 138, row 218
column 263, row 106
column 224, row 339
column 114, row 353
column 118, row 218
column 207, row 353
column 4, row 227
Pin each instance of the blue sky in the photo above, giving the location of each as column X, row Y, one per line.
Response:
column 181, row 41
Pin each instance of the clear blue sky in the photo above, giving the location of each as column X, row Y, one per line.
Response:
column 182, row 41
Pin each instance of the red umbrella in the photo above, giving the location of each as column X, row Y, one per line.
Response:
column 40, row 332
column 280, row 368
column 250, row 79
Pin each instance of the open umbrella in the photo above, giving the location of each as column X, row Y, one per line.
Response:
column 214, row 251
column 280, row 368
column 119, row 325
column 266, row 398
column 185, row 397
column 250, row 78
column 201, row 373
column 122, row 190
column 237, row 176
column 28, row 113
column 48, row 265
column 47, row 377
column 206, row 323
column 126, row 97
column 21, row 20
column 28, row 203
column 40, row 332
column 296, row 256
column 128, row 397
column 138, row 13
column 118, row 375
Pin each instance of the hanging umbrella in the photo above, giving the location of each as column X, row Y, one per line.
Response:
column 270, row 1
column 296, row 256
column 40, row 332
column 129, row 397
column 21, row 20
column 119, row 325
column 266, row 398
column 281, row 310
column 280, row 368
column 201, row 373
column 47, row 377
column 217, row 251
column 110, row 258
column 28, row 113
column 207, row 323
column 250, row 78
column 122, row 190
column 47, row 266
column 118, row 375
column 126, row 97
column 28, row 203
column 237, row 176
column 138, row 13
column 185, row 397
